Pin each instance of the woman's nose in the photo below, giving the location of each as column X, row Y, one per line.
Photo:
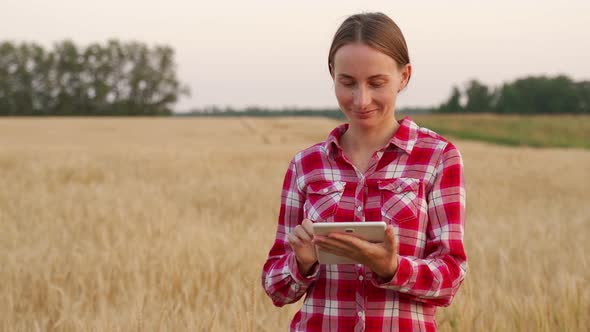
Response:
column 362, row 97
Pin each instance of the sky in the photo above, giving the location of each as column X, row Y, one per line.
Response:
column 274, row 53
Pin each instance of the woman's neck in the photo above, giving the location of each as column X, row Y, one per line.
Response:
column 368, row 140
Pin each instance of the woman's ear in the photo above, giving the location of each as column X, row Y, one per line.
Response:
column 331, row 68
column 406, row 74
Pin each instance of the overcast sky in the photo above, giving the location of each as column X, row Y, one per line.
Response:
column 274, row 53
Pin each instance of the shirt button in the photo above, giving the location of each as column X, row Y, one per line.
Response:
column 361, row 278
column 360, row 313
column 398, row 190
column 325, row 190
column 359, row 208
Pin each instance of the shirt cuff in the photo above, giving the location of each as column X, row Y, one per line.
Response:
column 400, row 278
column 296, row 274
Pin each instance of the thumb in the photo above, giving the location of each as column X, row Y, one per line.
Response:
column 308, row 226
column 390, row 237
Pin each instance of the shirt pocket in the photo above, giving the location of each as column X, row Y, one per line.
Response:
column 322, row 200
column 399, row 198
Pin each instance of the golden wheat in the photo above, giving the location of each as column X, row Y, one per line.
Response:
column 164, row 224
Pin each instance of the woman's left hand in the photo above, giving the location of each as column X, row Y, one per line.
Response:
column 381, row 258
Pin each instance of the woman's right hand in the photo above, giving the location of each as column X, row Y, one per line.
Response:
column 300, row 240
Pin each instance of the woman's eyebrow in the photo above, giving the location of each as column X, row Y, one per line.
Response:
column 345, row 76
column 370, row 77
column 379, row 76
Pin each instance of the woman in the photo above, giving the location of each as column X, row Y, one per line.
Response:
column 372, row 168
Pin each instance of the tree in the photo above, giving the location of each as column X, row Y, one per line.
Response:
column 540, row 94
column 479, row 97
column 453, row 104
column 529, row 95
column 8, row 67
column 583, row 96
column 114, row 79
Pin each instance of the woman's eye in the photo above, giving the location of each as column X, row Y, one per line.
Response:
column 347, row 84
column 377, row 84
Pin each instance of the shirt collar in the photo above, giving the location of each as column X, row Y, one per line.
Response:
column 404, row 138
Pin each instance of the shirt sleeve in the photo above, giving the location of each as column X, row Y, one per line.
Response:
column 281, row 277
column 436, row 278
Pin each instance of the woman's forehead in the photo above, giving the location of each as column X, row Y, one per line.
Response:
column 359, row 60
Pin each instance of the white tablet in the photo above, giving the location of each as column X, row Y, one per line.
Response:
column 372, row 231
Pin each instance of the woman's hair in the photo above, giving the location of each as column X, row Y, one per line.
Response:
column 376, row 30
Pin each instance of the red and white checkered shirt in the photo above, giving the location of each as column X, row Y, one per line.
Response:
column 414, row 183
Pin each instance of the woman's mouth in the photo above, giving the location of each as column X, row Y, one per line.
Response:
column 364, row 114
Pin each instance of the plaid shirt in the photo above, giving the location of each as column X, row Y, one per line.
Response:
column 414, row 183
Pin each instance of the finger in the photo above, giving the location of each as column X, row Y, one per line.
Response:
column 333, row 250
column 293, row 241
column 390, row 241
column 351, row 241
column 302, row 234
column 333, row 243
column 337, row 252
column 318, row 238
column 308, row 226
column 356, row 248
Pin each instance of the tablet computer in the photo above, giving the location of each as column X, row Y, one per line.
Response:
column 372, row 231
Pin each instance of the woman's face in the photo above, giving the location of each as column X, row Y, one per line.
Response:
column 366, row 83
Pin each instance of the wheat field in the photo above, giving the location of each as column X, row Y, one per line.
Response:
column 163, row 224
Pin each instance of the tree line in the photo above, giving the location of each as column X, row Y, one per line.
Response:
column 111, row 79
column 529, row 95
column 131, row 78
